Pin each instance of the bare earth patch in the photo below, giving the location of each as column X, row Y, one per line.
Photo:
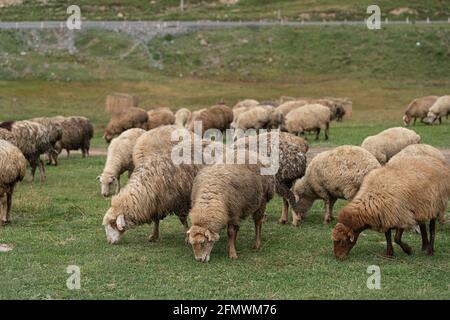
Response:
column 5, row 247
column 402, row 10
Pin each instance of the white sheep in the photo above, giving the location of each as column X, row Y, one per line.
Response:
column 312, row 117
column 118, row 160
column 419, row 150
column 389, row 142
column 441, row 108
column 332, row 175
column 182, row 117
column 12, row 170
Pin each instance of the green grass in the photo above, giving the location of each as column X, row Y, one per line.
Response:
column 58, row 223
column 214, row 10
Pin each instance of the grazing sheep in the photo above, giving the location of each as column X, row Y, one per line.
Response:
column 33, row 139
column 396, row 196
column 389, row 142
column 160, row 117
column 292, row 165
column 332, row 175
column 77, row 134
column 156, row 189
column 337, row 111
column 12, row 170
column 288, row 106
column 419, row 150
column 182, row 117
column 260, row 117
column 418, row 108
column 312, row 117
column 55, row 130
column 157, row 140
column 223, row 195
column 216, row 117
column 119, row 160
column 441, row 108
column 246, row 103
column 129, row 118
column 344, row 107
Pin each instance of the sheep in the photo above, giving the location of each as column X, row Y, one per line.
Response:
column 396, row 196
column 159, row 117
column 156, row 140
column 418, row 108
column 223, row 195
column 12, row 171
column 132, row 117
column 332, row 175
column 216, row 117
column 441, row 108
column 118, row 160
column 77, row 133
column 337, row 110
column 55, row 130
column 260, row 117
column 33, row 139
column 389, row 142
column 292, row 165
column 419, row 150
column 7, row 135
column 182, row 117
column 312, row 117
column 288, row 106
column 156, row 188
column 246, row 103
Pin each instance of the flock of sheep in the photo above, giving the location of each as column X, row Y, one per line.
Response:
column 391, row 181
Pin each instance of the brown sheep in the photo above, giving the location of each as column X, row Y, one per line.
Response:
column 160, row 117
column 216, row 117
column 418, row 108
column 223, row 195
column 77, row 134
column 397, row 196
column 129, row 118
column 56, row 131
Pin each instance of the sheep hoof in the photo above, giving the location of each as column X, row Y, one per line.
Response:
column 257, row 245
column 281, row 221
column 429, row 251
column 407, row 249
column 153, row 238
column 296, row 223
column 233, row 256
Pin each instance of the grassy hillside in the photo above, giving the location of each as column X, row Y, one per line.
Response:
column 220, row 10
column 48, row 73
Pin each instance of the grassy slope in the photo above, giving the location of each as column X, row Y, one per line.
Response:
column 59, row 224
column 213, row 10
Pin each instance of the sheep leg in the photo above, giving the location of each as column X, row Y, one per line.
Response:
column 42, row 170
column 68, row 153
column 287, row 195
column 183, row 220
column 258, row 227
column 423, row 233
column 440, row 120
column 414, row 123
column 317, row 133
column 118, row 185
column 232, row 235
column 389, row 247
column 329, row 204
column 33, row 166
column 284, row 212
column 3, row 210
column 155, row 236
column 430, row 249
column 327, row 130
column 398, row 240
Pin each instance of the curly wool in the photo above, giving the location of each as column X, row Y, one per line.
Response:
column 308, row 118
column 441, row 108
column 260, row 117
column 216, row 117
column 160, row 117
column 132, row 117
column 182, row 117
column 419, row 150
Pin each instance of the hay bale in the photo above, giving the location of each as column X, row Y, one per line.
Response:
column 119, row 102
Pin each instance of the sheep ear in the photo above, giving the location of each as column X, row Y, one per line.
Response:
column 211, row 235
column 114, row 178
column 98, row 178
column 120, row 222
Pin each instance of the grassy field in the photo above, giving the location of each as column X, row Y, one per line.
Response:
column 58, row 223
column 219, row 10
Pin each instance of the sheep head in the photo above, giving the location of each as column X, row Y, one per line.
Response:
column 344, row 238
column 106, row 183
column 115, row 226
column 431, row 118
column 202, row 241
column 406, row 120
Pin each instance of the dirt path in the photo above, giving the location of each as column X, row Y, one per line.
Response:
column 311, row 153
